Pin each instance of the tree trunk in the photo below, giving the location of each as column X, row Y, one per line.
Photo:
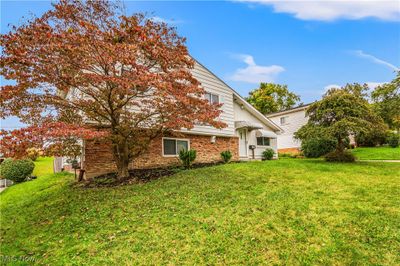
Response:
column 122, row 171
column 122, row 159
column 340, row 145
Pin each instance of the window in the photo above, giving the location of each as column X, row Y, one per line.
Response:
column 262, row 141
column 172, row 147
column 212, row 98
column 283, row 120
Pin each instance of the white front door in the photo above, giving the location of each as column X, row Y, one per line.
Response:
column 242, row 142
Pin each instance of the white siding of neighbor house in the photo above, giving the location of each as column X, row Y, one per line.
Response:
column 212, row 84
column 244, row 115
column 294, row 121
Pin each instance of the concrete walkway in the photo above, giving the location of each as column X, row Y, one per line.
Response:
column 381, row 161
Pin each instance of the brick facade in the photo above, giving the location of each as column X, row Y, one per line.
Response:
column 289, row 150
column 98, row 159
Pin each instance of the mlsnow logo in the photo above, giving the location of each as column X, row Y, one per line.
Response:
column 7, row 258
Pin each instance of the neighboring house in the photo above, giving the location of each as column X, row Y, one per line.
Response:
column 247, row 135
column 290, row 121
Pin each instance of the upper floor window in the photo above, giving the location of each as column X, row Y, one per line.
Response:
column 284, row 120
column 212, row 98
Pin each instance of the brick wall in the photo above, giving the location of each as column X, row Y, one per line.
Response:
column 289, row 150
column 98, row 159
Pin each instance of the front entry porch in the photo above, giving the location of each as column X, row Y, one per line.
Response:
column 253, row 140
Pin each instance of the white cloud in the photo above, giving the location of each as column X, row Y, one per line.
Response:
column 331, row 86
column 375, row 60
column 168, row 21
column 329, row 10
column 254, row 73
column 372, row 85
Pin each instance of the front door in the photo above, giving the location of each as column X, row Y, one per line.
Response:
column 242, row 142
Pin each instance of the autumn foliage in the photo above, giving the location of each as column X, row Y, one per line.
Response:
column 84, row 70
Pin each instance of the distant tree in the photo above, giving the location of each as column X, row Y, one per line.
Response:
column 373, row 135
column 312, row 131
column 84, row 67
column 54, row 138
column 270, row 98
column 337, row 115
column 356, row 89
column 376, row 133
column 386, row 101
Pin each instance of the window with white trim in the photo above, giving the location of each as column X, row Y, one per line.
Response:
column 284, row 120
column 263, row 141
column 172, row 147
column 212, row 98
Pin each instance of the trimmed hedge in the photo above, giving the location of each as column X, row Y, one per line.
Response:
column 394, row 140
column 17, row 170
column 317, row 147
column 336, row 156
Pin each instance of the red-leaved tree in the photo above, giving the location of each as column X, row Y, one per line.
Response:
column 84, row 69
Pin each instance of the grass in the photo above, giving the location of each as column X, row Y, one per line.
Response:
column 377, row 153
column 276, row 212
column 43, row 166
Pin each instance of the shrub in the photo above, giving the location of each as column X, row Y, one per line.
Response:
column 371, row 138
column 394, row 140
column 226, row 156
column 314, row 148
column 17, row 170
column 268, row 154
column 289, row 155
column 187, row 157
column 33, row 153
column 284, row 155
column 337, row 156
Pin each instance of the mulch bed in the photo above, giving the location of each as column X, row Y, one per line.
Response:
column 137, row 176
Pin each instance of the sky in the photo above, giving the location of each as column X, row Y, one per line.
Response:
column 308, row 45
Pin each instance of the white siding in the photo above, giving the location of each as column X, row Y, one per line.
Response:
column 212, row 84
column 294, row 121
column 231, row 112
column 244, row 115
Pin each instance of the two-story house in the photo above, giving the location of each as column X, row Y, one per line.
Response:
column 247, row 135
column 290, row 121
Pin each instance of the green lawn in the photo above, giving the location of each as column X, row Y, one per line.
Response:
column 43, row 166
column 276, row 212
column 377, row 153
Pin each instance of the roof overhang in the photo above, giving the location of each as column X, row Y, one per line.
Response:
column 239, row 99
column 245, row 104
column 248, row 125
column 265, row 133
column 292, row 110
